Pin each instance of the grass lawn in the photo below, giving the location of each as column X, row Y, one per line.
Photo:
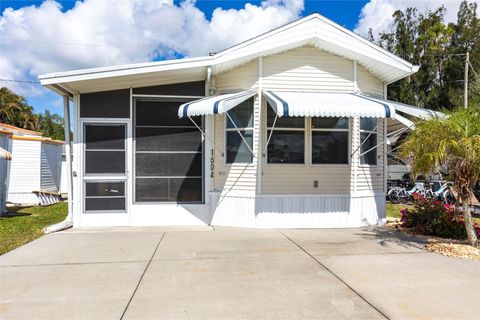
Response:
column 28, row 224
column 393, row 210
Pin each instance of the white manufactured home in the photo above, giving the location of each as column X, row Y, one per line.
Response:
column 285, row 130
column 33, row 175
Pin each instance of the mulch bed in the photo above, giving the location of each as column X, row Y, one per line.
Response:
column 447, row 247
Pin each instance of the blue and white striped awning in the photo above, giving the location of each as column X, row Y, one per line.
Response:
column 317, row 104
column 214, row 105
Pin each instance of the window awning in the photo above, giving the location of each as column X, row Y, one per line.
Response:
column 5, row 155
column 317, row 104
column 214, row 105
column 417, row 112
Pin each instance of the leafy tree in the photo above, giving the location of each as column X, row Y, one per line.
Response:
column 454, row 141
column 426, row 40
column 51, row 125
column 15, row 111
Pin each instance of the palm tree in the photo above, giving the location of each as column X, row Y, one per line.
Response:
column 14, row 110
column 455, row 141
column 10, row 105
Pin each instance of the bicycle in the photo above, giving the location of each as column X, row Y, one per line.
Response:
column 402, row 195
column 443, row 193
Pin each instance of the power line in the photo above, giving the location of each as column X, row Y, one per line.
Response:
column 21, row 81
column 63, row 43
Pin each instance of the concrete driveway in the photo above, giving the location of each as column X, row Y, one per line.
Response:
column 223, row 273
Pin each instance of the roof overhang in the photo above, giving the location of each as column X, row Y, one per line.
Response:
column 313, row 30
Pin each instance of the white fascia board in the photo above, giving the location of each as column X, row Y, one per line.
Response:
column 124, row 70
column 365, row 41
column 265, row 35
column 319, row 33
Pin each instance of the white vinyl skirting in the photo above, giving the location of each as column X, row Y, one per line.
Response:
column 298, row 211
column 253, row 211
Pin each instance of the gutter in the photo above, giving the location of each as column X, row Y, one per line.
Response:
column 68, row 222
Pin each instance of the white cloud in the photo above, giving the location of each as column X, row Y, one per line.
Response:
column 377, row 14
column 41, row 39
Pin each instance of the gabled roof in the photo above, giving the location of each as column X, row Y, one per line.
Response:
column 314, row 30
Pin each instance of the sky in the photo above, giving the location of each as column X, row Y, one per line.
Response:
column 38, row 37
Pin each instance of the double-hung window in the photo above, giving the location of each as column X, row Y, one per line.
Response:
column 287, row 141
column 239, row 133
column 368, row 140
column 330, row 140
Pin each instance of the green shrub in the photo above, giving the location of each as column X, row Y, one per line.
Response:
column 432, row 217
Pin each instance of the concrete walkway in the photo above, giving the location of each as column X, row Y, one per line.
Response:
column 201, row 273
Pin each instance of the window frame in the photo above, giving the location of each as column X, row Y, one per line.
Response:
column 182, row 99
column 349, row 144
column 375, row 132
column 227, row 129
column 267, row 134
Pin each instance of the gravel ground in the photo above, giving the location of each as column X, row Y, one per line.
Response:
column 447, row 247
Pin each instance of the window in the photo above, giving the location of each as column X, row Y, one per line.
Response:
column 368, row 141
column 287, row 143
column 330, row 140
column 105, row 195
column 104, row 148
column 237, row 151
column 168, row 154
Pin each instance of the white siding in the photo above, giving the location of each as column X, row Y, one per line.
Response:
column 24, row 171
column 307, row 69
column 368, row 83
column 242, row 78
column 301, row 69
column 50, row 167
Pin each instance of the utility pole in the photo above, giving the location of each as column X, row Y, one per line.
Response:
column 465, row 82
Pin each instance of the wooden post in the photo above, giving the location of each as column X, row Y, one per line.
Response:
column 465, row 82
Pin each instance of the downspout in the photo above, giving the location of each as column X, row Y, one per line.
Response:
column 68, row 222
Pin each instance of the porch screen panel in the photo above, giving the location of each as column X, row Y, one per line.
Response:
column 168, row 154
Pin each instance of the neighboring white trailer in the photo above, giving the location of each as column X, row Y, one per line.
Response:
column 34, row 172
